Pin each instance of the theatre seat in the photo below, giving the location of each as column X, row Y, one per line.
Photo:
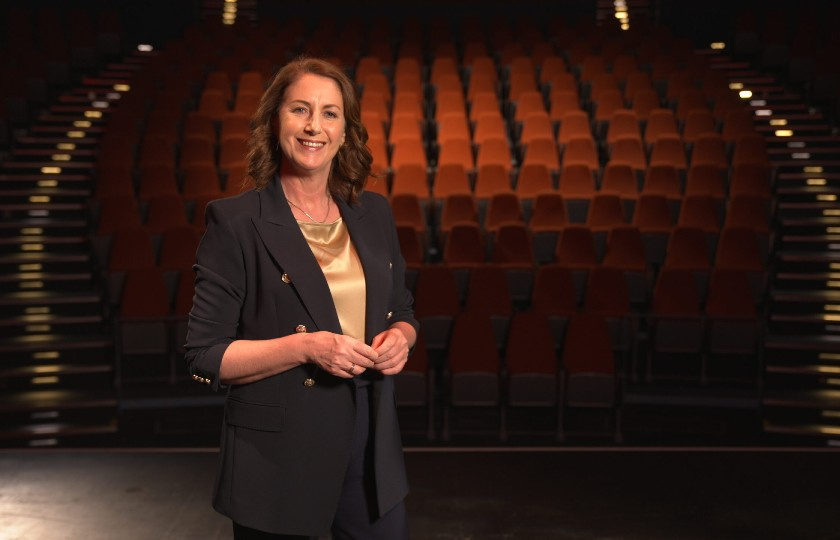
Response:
column 473, row 378
column 734, row 329
column 414, row 389
column 531, row 373
column 436, row 303
column 588, row 379
column 143, row 338
column 676, row 326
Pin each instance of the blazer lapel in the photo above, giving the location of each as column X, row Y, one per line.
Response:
column 375, row 268
column 281, row 236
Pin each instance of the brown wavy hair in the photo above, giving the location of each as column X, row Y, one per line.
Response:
column 352, row 164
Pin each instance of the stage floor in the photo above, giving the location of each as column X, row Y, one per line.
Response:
column 467, row 493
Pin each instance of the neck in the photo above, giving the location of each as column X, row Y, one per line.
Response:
column 308, row 215
column 303, row 189
column 308, row 197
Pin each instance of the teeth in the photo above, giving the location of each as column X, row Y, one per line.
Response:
column 312, row 144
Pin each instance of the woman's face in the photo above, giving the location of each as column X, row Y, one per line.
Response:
column 311, row 124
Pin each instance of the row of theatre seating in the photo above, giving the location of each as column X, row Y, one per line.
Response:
column 579, row 209
column 45, row 48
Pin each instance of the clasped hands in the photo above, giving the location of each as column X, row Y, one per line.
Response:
column 346, row 357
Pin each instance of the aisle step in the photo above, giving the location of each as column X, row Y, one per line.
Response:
column 72, row 301
column 47, row 262
column 823, row 259
column 807, row 194
column 52, row 281
column 58, row 417
column 821, row 399
column 801, row 383
column 47, row 167
column 806, row 323
column 54, row 433
column 53, row 244
column 57, row 364
column 44, row 196
column 90, row 377
column 69, row 132
column 815, row 225
column 814, row 364
column 16, row 211
column 62, row 342
column 51, row 318
column 30, row 180
column 59, row 143
column 44, row 226
column 828, row 155
column 56, row 156
column 808, row 299
column 56, row 368
column 807, row 169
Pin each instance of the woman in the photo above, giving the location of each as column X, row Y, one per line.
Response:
column 301, row 311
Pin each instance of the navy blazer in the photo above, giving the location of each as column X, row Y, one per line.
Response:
column 285, row 445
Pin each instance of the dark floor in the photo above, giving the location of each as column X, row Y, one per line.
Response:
column 529, row 494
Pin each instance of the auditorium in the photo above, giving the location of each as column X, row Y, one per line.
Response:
column 619, row 228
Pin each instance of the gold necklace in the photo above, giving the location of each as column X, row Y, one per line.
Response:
column 307, row 213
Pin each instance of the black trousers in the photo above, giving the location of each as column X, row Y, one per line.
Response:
column 356, row 517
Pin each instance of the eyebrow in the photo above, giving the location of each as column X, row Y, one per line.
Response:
column 304, row 102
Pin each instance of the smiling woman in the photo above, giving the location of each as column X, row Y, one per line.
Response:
column 352, row 160
column 311, row 121
column 301, row 314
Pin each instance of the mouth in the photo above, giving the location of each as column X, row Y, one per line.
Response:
column 311, row 144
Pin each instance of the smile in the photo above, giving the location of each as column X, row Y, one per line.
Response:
column 311, row 144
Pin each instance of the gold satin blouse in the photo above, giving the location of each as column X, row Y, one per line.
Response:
column 331, row 245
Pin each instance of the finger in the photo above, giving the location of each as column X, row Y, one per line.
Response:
column 387, row 339
column 392, row 345
column 366, row 356
column 352, row 370
column 387, row 359
column 396, row 367
column 396, row 349
column 378, row 339
column 386, row 348
column 392, row 360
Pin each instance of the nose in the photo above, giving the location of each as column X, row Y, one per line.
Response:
column 313, row 125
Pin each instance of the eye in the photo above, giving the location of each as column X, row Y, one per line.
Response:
column 299, row 110
column 331, row 114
